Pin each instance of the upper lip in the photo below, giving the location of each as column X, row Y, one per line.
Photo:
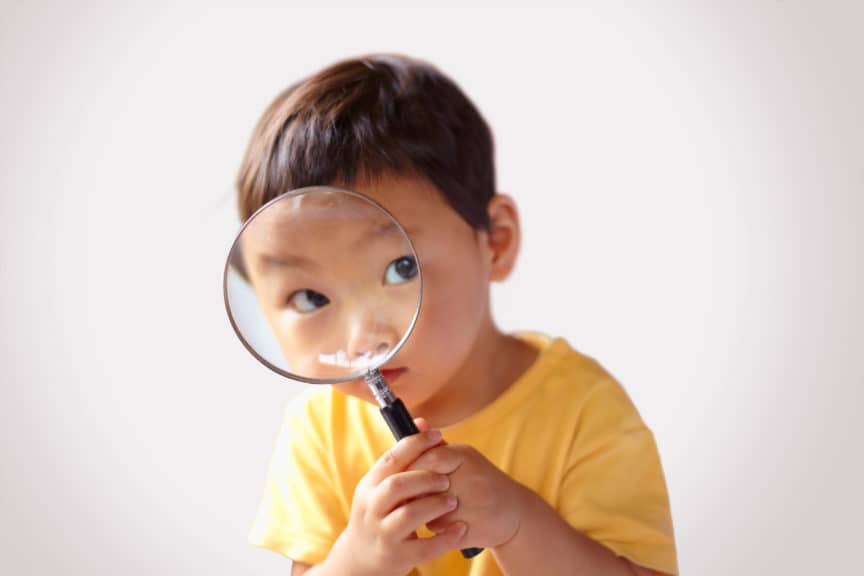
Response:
column 392, row 369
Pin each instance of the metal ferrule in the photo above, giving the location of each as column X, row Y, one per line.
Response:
column 379, row 388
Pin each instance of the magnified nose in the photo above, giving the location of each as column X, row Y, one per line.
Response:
column 370, row 340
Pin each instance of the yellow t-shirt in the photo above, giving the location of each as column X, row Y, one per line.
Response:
column 566, row 429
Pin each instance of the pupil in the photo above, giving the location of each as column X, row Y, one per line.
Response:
column 316, row 298
column 405, row 267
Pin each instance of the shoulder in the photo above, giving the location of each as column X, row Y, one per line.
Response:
column 559, row 367
column 580, row 385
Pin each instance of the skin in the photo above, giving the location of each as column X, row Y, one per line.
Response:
column 456, row 362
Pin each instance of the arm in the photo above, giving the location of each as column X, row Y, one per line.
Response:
column 523, row 532
column 545, row 544
column 559, row 546
column 558, row 543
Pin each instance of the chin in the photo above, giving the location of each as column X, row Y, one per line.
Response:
column 415, row 401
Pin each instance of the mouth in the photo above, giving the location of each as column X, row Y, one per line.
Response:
column 392, row 374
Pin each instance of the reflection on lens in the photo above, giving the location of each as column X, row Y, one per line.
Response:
column 322, row 284
column 363, row 362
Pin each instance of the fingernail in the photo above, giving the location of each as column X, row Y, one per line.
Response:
column 443, row 482
column 451, row 502
column 461, row 529
column 434, row 435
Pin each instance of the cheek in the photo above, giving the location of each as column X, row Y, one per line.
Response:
column 303, row 340
column 455, row 305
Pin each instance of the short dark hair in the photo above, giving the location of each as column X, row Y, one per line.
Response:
column 368, row 116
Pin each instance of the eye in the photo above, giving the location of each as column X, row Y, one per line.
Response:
column 400, row 270
column 306, row 301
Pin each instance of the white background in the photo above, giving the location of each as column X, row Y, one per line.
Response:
column 692, row 184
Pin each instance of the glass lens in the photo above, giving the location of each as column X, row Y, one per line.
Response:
column 322, row 285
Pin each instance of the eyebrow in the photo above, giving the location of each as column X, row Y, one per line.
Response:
column 387, row 228
column 266, row 262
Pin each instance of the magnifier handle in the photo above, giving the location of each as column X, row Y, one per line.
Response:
column 398, row 419
column 401, row 424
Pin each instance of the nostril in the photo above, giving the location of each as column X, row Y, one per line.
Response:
column 382, row 348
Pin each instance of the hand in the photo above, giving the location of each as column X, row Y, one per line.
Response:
column 489, row 501
column 390, row 503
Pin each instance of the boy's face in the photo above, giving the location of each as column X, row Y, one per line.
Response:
column 454, row 260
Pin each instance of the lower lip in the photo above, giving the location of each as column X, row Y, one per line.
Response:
column 391, row 375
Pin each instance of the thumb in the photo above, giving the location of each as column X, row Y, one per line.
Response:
column 423, row 426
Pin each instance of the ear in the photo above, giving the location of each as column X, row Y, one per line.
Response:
column 503, row 237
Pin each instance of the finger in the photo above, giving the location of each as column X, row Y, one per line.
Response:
column 441, row 523
column 423, row 425
column 440, row 459
column 402, row 454
column 404, row 486
column 409, row 517
column 427, row 549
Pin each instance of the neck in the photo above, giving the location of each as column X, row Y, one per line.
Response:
column 495, row 362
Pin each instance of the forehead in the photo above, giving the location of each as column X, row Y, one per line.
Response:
column 321, row 225
column 319, row 212
column 414, row 201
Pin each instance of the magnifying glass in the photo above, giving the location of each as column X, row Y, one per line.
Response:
column 322, row 285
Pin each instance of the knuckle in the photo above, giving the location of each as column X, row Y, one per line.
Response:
column 389, row 456
column 394, row 483
column 435, row 458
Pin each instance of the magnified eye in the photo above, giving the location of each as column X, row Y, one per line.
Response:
column 306, row 301
column 400, row 270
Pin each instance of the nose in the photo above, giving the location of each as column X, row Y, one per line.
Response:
column 370, row 337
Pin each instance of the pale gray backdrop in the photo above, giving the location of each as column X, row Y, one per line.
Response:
column 692, row 183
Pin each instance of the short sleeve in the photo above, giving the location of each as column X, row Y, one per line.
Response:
column 613, row 489
column 300, row 515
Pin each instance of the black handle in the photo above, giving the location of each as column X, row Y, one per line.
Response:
column 398, row 419
column 401, row 424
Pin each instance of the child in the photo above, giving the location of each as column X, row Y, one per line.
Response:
column 527, row 448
